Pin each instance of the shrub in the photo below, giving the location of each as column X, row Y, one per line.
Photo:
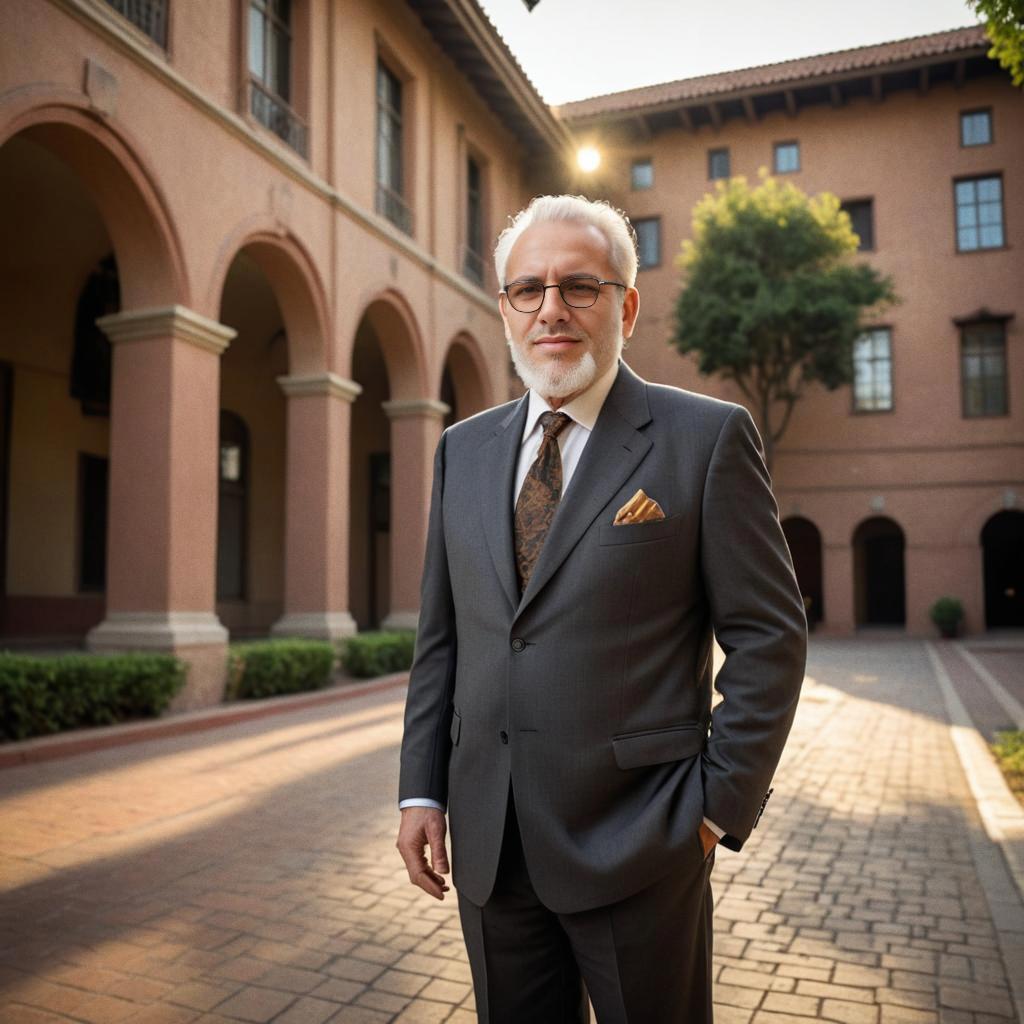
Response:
column 266, row 668
column 41, row 695
column 1009, row 751
column 946, row 613
column 378, row 654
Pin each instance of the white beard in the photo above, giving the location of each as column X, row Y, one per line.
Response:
column 556, row 378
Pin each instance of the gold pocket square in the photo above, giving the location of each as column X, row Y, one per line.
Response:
column 639, row 509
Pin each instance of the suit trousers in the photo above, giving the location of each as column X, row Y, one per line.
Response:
column 643, row 960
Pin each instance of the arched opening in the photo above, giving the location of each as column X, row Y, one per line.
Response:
column 58, row 275
column 804, row 540
column 878, row 573
column 1002, row 544
column 251, row 502
column 386, row 365
column 464, row 385
column 82, row 234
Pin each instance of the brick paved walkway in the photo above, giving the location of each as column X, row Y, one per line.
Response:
column 249, row 874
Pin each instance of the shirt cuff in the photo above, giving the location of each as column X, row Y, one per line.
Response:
column 719, row 832
column 420, row 801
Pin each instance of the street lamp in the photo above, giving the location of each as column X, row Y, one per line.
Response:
column 588, row 158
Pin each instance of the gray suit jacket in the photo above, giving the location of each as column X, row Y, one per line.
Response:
column 591, row 693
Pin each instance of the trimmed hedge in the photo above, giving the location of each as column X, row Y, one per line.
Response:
column 378, row 654
column 266, row 668
column 41, row 695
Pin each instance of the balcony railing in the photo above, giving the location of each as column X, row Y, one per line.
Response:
column 392, row 205
column 272, row 112
column 148, row 15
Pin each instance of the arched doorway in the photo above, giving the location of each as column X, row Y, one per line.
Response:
column 394, row 432
column 81, row 236
column 804, row 540
column 1002, row 543
column 251, row 491
column 464, row 384
column 878, row 573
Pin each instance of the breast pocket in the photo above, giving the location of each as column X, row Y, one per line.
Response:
column 639, row 533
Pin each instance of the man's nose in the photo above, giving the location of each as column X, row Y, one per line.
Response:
column 554, row 308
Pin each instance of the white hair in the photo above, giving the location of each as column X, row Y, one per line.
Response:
column 612, row 223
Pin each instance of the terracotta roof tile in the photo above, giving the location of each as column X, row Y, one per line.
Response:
column 766, row 75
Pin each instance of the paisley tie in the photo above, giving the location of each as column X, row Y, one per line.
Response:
column 538, row 498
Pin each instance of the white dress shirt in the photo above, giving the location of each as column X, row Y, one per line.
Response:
column 583, row 410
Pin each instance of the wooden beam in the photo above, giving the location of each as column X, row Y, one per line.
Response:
column 716, row 115
column 641, row 126
column 876, row 88
column 749, row 109
column 922, row 80
column 835, row 94
column 960, row 73
column 684, row 116
column 790, row 97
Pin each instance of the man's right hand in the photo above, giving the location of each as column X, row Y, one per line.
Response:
column 423, row 827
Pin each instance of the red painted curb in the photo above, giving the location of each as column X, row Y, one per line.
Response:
column 53, row 748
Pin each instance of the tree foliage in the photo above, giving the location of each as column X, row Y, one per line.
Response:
column 772, row 298
column 1004, row 26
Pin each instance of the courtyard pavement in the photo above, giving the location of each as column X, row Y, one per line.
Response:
column 248, row 873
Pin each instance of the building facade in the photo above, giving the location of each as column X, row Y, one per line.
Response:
column 908, row 485
column 247, row 283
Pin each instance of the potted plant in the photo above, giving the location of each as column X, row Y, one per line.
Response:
column 947, row 613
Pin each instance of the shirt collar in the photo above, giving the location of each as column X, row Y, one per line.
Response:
column 583, row 409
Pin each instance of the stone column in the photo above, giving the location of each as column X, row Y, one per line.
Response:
column 162, row 527
column 415, row 430
column 837, row 571
column 316, row 507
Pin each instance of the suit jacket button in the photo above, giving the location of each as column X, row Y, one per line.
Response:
column 519, row 644
column 504, row 736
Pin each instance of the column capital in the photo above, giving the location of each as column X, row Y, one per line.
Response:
column 178, row 322
column 320, row 384
column 429, row 407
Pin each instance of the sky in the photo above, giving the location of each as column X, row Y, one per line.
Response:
column 571, row 49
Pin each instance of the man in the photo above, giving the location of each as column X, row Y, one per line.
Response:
column 584, row 542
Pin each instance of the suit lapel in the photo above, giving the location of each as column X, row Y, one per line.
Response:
column 497, row 464
column 614, row 450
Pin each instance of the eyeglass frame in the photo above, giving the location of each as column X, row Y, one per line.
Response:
column 566, row 280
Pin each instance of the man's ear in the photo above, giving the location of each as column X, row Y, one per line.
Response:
column 630, row 311
column 503, row 309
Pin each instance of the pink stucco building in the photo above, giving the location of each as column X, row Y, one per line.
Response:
column 247, row 282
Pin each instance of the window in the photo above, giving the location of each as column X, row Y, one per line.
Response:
column 642, row 175
column 983, row 369
column 270, row 71
column 872, row 371
column 979, row 213
column 390, row 184
column 148, row 15
column 976, row 128
column 787, row 157
column 862, row 215
column 718, row 163
column 473, row 262
column 648, row 241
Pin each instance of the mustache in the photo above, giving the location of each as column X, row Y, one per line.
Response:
column 565, row 332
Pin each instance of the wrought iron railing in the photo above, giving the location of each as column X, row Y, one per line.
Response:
column 148, row 15
column 272, row 112
column 393, row 206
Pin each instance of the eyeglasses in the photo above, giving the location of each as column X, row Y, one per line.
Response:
column 578, row 292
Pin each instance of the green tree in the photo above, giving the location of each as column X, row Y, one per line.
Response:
column 1004, row 26
column 772, row 298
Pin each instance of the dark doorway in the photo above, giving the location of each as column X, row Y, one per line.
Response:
column 879, row 580
column 1002, row 542
column 380, row 534
column 804, row 540
column 231, row 507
